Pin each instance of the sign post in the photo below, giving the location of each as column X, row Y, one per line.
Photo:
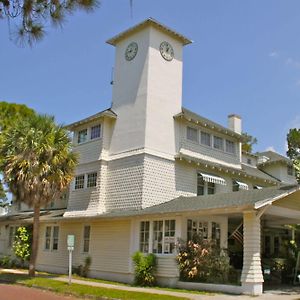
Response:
column 70, row 243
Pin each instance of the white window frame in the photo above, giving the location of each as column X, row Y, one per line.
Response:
column 190, row 137
column 86, row 239
column 168, row 237
column 216, row 138
column 209, row 233
column 206, row 186
column 100, row 131
column 94, row 176
column 75, row 182
column 228, row 148
column 51, row 238
column 144, row 231
column 79, row 141
column 201, row 140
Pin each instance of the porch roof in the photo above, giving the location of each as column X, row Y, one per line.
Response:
column 245, row 198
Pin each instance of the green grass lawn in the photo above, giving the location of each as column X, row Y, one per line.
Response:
column 81, row 290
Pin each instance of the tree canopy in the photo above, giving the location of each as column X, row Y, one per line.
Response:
column 37, row 165
column 12, row 112
column 293, row 141
column 248, row 142
column 32, row 15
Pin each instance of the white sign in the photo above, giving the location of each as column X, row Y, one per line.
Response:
column 71, row 240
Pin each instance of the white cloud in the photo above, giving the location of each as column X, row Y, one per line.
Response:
column 270, row 148
column 274, row 54
column 293, row 63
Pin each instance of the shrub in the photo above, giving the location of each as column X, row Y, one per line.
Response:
column 145, row 266
column 21, row 245
column 203, row 261
column 83, row 270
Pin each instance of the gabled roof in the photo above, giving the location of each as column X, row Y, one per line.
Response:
column 149, row 22
column 105, row 113
column 195, row 118
column 273, row 158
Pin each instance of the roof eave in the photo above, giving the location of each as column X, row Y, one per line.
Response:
column 106, row 113
column 148, row 22
column 210, row 125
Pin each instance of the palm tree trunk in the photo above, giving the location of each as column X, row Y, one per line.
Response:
column 35, row 239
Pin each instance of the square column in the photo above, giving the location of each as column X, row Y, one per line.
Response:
column 252, row 277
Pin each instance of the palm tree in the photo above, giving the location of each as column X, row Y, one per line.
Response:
column 37, row 165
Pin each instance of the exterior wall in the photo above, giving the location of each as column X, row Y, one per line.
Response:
column 109, row 247
column 253, row 160
column 146, row 103
column 204, row 152
column 125, row 183
column 90, row 150
column 280, row 171
column 88, row 199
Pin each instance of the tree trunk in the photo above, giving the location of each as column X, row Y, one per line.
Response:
column 35, row 239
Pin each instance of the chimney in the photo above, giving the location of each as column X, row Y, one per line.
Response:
column 235, row 123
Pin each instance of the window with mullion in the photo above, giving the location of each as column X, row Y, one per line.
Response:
column 157, row 236
column 86, row 238
column 92, row 179
column 205, row 138
column 144, row 236
column 218, row 143
column 55, row 238
column 95, row 131
column 192, row 134
column 79, row 182
column 48, row 237
column 82, row 136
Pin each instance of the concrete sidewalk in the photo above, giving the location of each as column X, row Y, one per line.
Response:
column 285, row 294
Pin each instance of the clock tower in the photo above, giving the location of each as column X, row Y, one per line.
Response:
column 147, row 88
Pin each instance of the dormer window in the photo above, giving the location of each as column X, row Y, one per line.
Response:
column 82, row 136
column 192, row 134
column 95, row 131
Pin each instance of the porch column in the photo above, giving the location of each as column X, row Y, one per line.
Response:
column 252, row 277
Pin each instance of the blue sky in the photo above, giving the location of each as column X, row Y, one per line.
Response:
column 245, row 59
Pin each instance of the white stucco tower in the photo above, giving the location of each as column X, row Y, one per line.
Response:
column 147, row 88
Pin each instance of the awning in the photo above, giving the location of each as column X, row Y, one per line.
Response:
column 212, row 178
column 242, row 185
column 258, row 187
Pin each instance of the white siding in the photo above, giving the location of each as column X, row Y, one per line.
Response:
column 125, row 183
column 109, row 247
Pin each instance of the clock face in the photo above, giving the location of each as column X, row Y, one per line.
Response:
column 166, row 51
column 131, row 51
